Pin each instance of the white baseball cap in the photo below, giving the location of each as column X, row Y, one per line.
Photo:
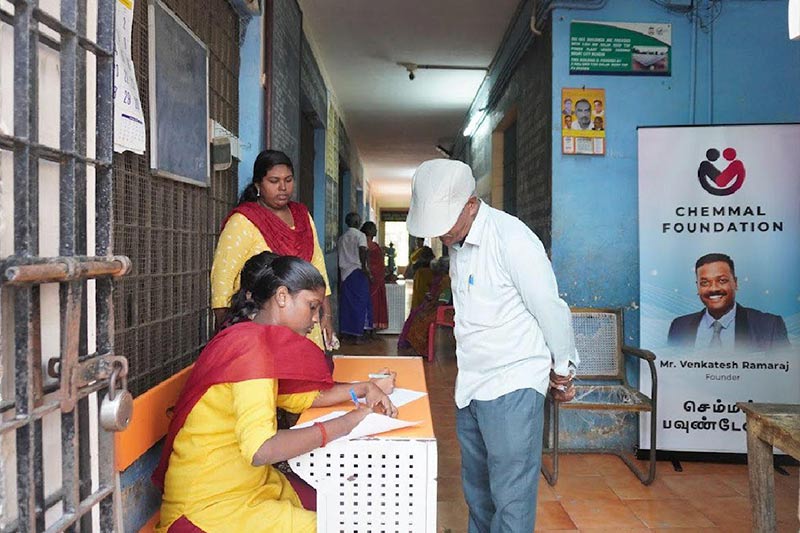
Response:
column 440, row 189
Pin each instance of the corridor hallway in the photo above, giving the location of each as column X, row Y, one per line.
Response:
column 122, row 154
column 597, row 493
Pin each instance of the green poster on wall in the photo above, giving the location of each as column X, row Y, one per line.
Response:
column 622, row 48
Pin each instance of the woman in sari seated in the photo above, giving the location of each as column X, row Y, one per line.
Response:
column 423, row 276
column 215, row 469
column 415, row 329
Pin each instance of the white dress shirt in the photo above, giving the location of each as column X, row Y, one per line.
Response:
column 349, row 243
column 511, row 327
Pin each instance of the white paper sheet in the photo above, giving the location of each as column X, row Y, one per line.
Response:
column 400, row 397
column 373, row 424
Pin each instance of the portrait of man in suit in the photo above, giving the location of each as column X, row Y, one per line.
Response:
column 724, row 324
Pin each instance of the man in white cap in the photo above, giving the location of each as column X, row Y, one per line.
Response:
column 514, row 339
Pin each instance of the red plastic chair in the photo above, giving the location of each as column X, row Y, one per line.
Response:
column 444, row 317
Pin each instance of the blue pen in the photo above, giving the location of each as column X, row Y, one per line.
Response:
column 354, row 397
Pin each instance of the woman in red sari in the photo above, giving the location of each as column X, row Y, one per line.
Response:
column 216, row 469
column 377, row 286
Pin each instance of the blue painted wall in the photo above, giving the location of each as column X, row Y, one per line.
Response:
column 251, row 134
column 251, row 101
column 331, row 259
column 319, row 183
column 743, row 69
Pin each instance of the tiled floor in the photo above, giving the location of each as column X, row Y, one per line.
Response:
column 595, row 492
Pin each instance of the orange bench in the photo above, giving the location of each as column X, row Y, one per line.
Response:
column 138, row 449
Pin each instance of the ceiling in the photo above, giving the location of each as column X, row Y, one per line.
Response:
column 393, row 122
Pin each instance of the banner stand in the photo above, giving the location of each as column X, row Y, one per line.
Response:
column 719, row 224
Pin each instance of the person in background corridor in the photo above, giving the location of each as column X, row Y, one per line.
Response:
column 215, row 469
column 355, row 306
column 266, row 219
column 423, row 275
column 377, row 286
column 514, row 340
column 417, row 325
column 413, row 256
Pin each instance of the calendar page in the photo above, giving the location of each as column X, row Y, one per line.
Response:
column 129, row 130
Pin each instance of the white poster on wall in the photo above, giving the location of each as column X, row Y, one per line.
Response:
column 719, row 227
column 129, row 130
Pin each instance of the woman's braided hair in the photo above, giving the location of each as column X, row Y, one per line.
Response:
column 261, row 276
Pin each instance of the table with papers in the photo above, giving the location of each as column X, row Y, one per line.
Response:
column 384, row 482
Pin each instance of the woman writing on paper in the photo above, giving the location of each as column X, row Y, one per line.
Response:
column 215, row 469
column 251, row 274
column 266, row 219
column 383, row 378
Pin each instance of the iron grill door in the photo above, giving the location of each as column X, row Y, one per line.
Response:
column 56, row 267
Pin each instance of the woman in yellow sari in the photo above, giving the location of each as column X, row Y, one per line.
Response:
column 215, row 469
column 266, row 219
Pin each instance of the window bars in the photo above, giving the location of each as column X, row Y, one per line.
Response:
column 78, row 373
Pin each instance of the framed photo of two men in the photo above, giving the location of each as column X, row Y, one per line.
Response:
column 719, row 224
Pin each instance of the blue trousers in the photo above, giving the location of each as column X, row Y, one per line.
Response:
column 501, row 453
column 355, row 304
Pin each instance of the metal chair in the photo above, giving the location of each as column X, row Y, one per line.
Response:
column 598, row 338
column 444, row 317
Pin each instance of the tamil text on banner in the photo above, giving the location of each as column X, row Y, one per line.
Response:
column 583, row 121
column 719, row 226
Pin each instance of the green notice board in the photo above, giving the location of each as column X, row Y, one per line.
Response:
column 621, row 48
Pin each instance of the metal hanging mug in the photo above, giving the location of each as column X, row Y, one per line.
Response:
column 117, row 405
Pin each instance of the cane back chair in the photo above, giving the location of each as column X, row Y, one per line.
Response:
column 601, row 385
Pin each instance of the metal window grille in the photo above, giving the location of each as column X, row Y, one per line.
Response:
column 169, row 229
column 26, row 275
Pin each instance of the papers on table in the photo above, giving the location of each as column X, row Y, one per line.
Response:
column 373, row 424
column 400, row 397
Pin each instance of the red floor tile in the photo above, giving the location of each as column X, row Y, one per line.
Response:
column 594, row 488
column 601, row 514
column 669, row 514
column 551, row 516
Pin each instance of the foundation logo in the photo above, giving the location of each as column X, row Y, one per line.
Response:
column 721, row 182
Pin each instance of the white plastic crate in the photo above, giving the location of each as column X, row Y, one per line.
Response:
column 396, row 304
column 373, row 485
